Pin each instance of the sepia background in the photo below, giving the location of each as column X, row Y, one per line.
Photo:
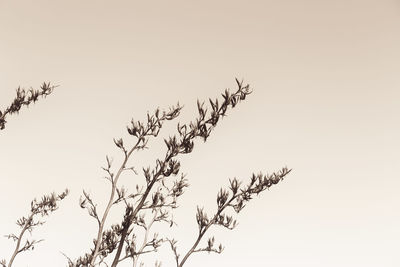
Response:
column 325, row 76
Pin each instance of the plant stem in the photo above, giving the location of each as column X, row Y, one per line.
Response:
column 16, row 251
column 110, row 203
column 133, row 215
column 204, row 230
column 146, row 236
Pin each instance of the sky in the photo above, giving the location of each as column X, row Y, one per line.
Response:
column 325, row 83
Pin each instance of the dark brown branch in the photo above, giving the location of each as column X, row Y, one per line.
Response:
column 42, row 208
column 202, row 127
column 142, row 131
column 24, row 98
column 258, row 183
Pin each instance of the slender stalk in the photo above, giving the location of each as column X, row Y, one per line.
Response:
column 110, row 203
column 16, row 251
column 192, row 249
column 133, row 215
column 204, row 230
column 203, row 128
column 24, row 98
column 137, row 209
column 256, row 186
column 146, row 236
column 152, row 127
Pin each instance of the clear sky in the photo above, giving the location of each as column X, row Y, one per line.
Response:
column 325, row 76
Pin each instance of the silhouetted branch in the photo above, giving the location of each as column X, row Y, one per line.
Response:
column 161, row 187
column 235, row 199
column 24, row 98
column 142, row 132
column 42, row 208
column 183, row 144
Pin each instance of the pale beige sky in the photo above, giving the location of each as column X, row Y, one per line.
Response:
column 325, row 103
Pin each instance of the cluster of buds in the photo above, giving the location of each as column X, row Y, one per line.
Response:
column 43, row 207
column 235, row 198
column 159, row 195
column 183, row 144
column 25, row 98
column 203, row 126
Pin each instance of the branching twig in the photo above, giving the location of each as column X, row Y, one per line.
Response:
column 142, row 132
column 44, row 207
column 24, row 98
column 202, row 127
column 145, row 239
column 159, row 194
column 235, row 199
